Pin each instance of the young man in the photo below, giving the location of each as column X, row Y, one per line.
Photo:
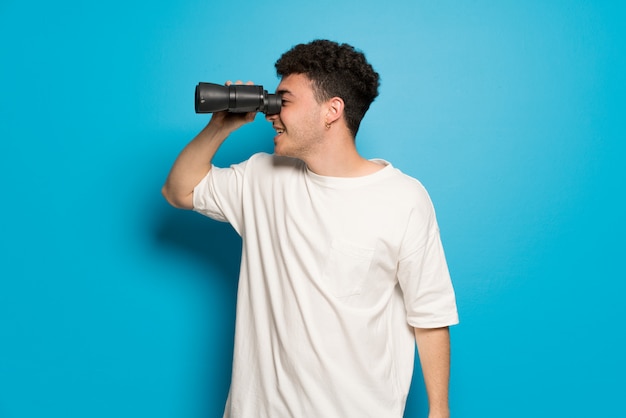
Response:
column 342, row 267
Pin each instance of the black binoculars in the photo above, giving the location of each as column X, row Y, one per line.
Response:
column 236, row 98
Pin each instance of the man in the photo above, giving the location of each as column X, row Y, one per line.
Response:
column 342, row 268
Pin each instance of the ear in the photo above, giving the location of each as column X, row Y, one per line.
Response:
column 335, row 108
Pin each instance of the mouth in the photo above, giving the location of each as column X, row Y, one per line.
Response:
column 279, row 131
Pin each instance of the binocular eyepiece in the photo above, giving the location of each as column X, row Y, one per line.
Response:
column 236, row 98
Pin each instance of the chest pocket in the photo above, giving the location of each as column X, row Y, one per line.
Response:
column 346, row 268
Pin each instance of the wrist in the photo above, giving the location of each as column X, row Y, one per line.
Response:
column 443, row 412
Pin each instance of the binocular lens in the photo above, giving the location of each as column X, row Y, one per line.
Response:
column 236, row 98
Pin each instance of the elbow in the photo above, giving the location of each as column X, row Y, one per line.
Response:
column 179, row 202
column 165, row 192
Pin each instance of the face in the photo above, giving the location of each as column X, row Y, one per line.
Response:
column 300, row 124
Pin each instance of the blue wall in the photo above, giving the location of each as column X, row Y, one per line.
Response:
column 113, row 304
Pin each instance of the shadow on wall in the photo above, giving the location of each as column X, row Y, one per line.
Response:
column 212, row 244
column 417, row 402
column 210, row 250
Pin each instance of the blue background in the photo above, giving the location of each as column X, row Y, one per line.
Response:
column 113, row 304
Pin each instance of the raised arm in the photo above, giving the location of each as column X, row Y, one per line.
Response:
column 433, row 346
column 194, row 161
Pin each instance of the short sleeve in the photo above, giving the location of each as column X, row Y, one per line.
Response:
column 423, row 273
column 219, row 195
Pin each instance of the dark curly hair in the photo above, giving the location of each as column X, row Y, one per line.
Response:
column 336, row 70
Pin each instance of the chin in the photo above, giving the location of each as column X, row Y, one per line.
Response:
column 281, row 151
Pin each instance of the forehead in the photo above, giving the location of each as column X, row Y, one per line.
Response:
column 296, row 85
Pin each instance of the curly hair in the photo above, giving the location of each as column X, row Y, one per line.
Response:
column 335, row 70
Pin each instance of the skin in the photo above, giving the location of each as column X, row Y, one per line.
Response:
column 317, row 134
column 433, row 346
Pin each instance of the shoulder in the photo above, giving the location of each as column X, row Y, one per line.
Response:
column 405, row 187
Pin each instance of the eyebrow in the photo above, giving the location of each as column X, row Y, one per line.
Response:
column 283, row 92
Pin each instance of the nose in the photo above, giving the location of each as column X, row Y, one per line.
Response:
column 271, row 118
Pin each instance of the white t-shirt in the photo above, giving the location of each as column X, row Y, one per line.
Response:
column 334, row 273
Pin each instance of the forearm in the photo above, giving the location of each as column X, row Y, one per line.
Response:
column 194, row 162
column 433, row 346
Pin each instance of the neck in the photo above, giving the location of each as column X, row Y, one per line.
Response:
column 338, row 157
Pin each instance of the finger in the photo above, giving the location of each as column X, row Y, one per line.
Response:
column 249, row 83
